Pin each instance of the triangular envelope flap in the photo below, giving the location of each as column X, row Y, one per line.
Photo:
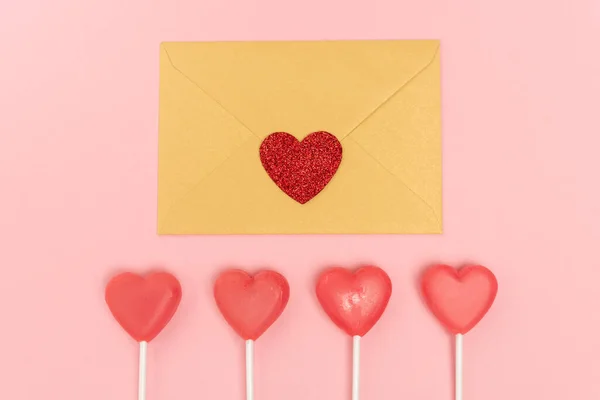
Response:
column 188, row 122
column 301, row 87
column 404, row 136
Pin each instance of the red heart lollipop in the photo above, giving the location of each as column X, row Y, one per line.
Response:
column 459, row 299
column 354, row 301
column 251, row 304
column 143, row 305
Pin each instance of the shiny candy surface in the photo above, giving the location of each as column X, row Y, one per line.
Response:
column 251, row 304
column 459, row 298
column 354, row 300
column 143, row 305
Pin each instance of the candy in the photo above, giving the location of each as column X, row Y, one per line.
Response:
column 143, row 305
column 459, row 299
column 251, row 304
column 354, row 300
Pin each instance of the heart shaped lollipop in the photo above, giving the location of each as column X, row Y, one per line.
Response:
column 354, row 300
column 459, row 298
column 143, row 305
column 251, row 304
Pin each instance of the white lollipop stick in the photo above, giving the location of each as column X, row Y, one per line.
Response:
column 249, row 369
column 142, row 372
column 458, row 367
column 355, row 367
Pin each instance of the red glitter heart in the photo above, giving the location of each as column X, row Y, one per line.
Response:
column 459, row 298
column 301, row 168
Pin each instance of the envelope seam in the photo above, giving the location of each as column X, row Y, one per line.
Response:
column 437, row 219
column 195, row 186
column 208, row 94
column 394, row 93
column 205, row 177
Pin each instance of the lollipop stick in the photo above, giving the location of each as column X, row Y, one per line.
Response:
column 355, row 367
column 142, row 376
column 458, row 368
column 249, row 369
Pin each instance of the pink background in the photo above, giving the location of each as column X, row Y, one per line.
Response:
column 78, row 150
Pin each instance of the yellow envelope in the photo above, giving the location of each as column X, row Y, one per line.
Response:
column 218, row 101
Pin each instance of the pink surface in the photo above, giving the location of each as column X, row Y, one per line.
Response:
column 78, row 150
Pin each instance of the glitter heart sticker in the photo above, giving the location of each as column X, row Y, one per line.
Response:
column 301, row 169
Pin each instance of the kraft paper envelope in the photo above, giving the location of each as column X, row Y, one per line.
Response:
column 218, row 101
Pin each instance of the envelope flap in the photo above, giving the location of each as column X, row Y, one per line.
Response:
column 301, row 87
column 404, row 136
